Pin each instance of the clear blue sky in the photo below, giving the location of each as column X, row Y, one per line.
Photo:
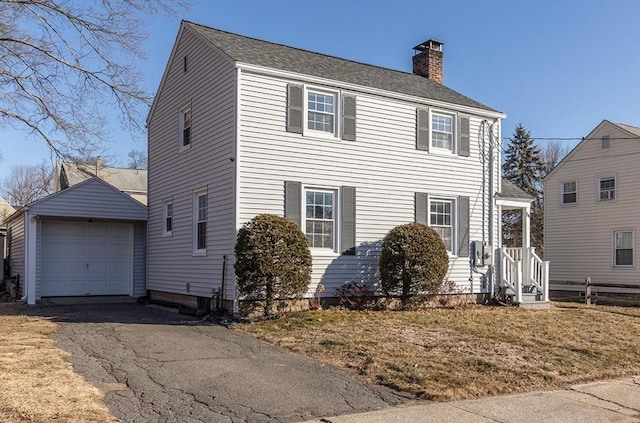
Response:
column 558, row 66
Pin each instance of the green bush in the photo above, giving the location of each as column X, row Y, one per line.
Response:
column 273, row 260
column 413, row 261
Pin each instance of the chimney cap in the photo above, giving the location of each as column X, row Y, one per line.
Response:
column 430, row 44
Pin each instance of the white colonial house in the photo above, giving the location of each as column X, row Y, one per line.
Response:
column 241, row 126
column 592, row 213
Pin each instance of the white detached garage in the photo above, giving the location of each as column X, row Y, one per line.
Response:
column 87, row 240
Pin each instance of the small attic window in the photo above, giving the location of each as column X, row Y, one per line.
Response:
column 605, row 142
column 184, row 64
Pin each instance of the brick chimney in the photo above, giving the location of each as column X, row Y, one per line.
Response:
column 427, row 61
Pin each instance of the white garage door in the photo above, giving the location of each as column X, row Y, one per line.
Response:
column 85, row 258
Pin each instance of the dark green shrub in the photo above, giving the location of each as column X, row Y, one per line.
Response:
column 413, row 261
column 273, row 260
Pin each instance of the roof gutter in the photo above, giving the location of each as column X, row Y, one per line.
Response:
column 375, row 91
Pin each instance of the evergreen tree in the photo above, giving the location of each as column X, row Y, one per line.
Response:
column 524, row 168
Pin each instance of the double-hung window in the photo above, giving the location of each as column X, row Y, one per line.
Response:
column 167, row 218
column 200, row 208
column 569, row 192
column 607, row 189
column 441, row 219
column 185, row 127
column 321, row 112
column 623, row 248
column 442, row 131
column 320, row 219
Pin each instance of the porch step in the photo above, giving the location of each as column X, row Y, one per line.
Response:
column 536, row 305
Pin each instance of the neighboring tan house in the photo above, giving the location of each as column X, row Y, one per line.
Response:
column 130, row 181
column 86, row 240
column 5, row 211
column 592, row 213
column 241, row 126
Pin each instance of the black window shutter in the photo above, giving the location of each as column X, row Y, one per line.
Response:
column 464, row 132
column 348, row 220
column 463, row 226
column 295, row 105
column 422, row 129
column 349, row 117
column 421, row 207
column 293, row 201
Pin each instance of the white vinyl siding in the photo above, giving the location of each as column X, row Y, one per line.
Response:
column 579, row 240
column 209, row 87
column 383, row 165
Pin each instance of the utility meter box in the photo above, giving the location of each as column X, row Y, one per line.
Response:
column 480, row 254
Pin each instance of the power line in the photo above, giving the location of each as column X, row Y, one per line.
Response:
column 572, row 138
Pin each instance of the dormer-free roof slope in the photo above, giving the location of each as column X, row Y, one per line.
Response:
column 247, row 50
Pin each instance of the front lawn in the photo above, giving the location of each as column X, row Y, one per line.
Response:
column 447, row 354
column 37, row 384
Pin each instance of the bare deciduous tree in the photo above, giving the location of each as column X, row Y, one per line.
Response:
column 137, row 159
column 551, row 154
column 63, row 64
column 26, row 184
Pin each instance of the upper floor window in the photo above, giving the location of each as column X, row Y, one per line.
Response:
column 440, row 218
column 442, row 131
column 321, row 112
column 200, row 208
column 623, row 248
column 185, row 126
column 605, row 142
column 569, row 192
column 607, row 189
column 168, row 217
column 320, row 218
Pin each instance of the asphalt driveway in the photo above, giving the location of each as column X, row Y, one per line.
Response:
column 159, row 366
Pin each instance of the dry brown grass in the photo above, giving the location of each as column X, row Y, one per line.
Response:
column 36, row 383
column 446, row 354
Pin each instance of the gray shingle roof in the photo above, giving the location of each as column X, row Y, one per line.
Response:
column 634, row 130
column 277, row 56
column 509, row 190
column 129, row 180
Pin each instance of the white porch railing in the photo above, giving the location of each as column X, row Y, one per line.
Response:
column 521, row 268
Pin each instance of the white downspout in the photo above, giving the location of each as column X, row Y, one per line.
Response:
column 30, row 228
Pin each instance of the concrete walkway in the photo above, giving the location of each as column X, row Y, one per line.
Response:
column 608, row 401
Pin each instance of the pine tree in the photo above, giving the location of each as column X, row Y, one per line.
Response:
column 524, row 168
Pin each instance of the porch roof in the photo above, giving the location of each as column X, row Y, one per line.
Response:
column 511, row 197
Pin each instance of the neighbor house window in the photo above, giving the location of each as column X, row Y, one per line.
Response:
column 441, row 219
column 607, row 189
column 605, row 142
column 321, row 112
column 320, row 219
column 623, row 248
column 168, row 217
column 569, row 192
column 185, row 127
column 442, row 131
column 200, row 221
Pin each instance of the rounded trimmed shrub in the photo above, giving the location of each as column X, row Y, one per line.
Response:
column 413, row 261
column 273, row 260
